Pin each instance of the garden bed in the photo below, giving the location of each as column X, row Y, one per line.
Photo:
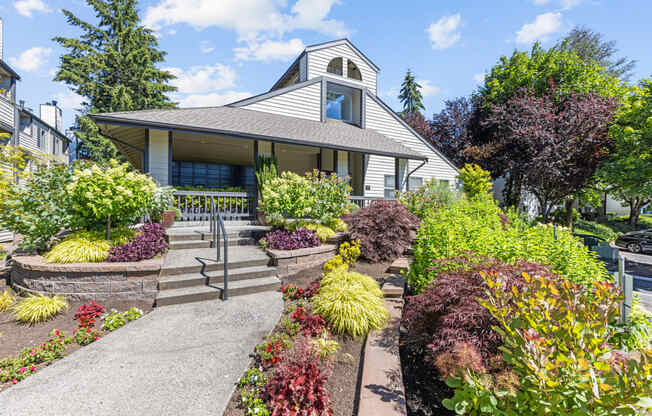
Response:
column 16, row 336
column 88, row 281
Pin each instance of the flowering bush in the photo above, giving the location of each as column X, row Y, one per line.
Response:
column 557, row 343
column 292, row 240
column 270, row 350
column 431, row 196
column 311, row 325
column 113, row 194
column 15, row 369
column 149, row 243
column 385, row 230
column 87, row 314
column 312, row 289
column 346, row 256
column 291, row 292
column 298, row 386
column 84, row 336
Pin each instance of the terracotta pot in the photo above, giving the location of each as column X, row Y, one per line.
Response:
column 260, row 217
column 167, row 218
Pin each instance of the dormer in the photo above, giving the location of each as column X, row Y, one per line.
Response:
column 338, row 59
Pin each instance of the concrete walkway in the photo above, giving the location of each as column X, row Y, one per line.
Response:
column 177, row 360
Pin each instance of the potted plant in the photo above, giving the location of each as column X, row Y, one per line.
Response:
column 265, row 171
column 163, row 209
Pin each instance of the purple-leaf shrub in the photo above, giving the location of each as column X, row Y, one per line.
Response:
column 282, row 239
column 149, row 243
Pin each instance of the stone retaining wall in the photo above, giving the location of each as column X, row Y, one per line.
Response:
column 88, row 281
column 289, row 262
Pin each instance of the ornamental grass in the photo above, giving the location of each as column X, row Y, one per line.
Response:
column 38, row 308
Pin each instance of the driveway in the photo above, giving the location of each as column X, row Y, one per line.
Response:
column 176, row 360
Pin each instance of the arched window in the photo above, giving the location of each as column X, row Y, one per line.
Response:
column 352, row 70
column 335, row 66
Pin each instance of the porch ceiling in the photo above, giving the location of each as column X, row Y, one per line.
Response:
column 240, row 123
column 130, row 141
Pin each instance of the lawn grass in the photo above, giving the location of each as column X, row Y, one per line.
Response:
column 610, row 229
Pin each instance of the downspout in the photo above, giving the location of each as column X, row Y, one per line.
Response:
column 407, row 178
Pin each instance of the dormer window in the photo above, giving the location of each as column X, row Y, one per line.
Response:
column 343, row 103
column 352, row 70
column 335, row 66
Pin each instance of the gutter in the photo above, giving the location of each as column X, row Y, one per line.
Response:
column 407, row 178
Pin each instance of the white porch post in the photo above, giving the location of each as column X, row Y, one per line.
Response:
column 159, row 156
column 342, row 164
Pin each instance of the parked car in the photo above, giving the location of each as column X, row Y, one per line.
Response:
column 590, row 241
column 636, row 241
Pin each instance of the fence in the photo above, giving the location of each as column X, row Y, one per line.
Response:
column 365, row 201
column 196, row 205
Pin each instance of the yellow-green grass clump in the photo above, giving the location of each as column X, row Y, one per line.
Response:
column 38, row 308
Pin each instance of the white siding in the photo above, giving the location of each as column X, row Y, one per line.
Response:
column 159, row 155
column 304, row 102
column 6, row 112
column 380, row 120
column 318, row 62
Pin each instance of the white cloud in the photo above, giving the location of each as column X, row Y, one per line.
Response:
column 247, row 17
column 428, row 90
column 479, row 78
column 269, row 50
column 32, row 59
column 206, row 46
column 69, row 100
column 443, row 33
column 569, row 4
column 543, row 26
column 212, row 99
column 203, row 78
column 27, row 7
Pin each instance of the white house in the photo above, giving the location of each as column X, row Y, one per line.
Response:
column 323, row 113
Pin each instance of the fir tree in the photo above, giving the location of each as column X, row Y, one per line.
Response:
column 113, row 65
column 410, row 95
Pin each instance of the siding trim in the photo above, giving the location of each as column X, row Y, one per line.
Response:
column 274, row 93
column 169, row 158
column 322, row 107
column 287, row 71
column 400, row 120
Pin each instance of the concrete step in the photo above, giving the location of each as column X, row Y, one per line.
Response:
column 201, row 293
column 399, row 265
column 202, row 260
column 205, row 243
column 201, row 279
column 206, row 235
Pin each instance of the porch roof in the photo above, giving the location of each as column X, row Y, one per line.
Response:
column 255, row 125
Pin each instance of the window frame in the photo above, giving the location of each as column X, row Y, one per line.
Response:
column 350, row 63
column 341, row 66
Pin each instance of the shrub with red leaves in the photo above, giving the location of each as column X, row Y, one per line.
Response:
column 311, row 325
column 447, row 313
column 312, row 289
column 87, row 314
column 282, row 239
column 298, row 386
column 385, row 230
column 146, row 245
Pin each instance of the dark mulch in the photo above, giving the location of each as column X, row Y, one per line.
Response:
column 344, row 382
column 16, row 336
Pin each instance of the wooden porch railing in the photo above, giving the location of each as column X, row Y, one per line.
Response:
column 365, row 201
column 196, row 205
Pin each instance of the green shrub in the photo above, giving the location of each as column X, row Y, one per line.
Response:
column 637, row 333
column 476, row 181
column 350, row 303
column 115, row 319
column 322, row 231
column 265, row 171
column 480, row 226
column 38, row 308
column 7, row 300
column 39, row 208
column 432, row 196
column 557, row 347
column 87, row 246
column 347, row 255
column 591, row 227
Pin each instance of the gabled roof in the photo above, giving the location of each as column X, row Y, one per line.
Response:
column 7, row 68
column 256, row 125
column 343, row 41
column 40, row 120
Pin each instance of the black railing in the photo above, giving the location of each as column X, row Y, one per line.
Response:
column 217, row 226
column 196, row 205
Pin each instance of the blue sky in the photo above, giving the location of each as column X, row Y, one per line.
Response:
column 224, row 50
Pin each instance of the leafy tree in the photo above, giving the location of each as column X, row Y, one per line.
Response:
column 419, row 123
column 475, row 180
column 590, row 46
column 113, row 65
column 554, row 143
column 410, row 94
column 628, row 172
column 452, row 129
column 557, row 74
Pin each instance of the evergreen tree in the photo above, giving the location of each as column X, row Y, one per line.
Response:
column 113, row 65
column 410, row 95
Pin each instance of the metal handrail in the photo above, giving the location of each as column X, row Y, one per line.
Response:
column 217, row 225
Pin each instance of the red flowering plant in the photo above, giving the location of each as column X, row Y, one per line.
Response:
column 269, row 351
column 312, row 325
column 312, row 289
column 298, row 386
column 15, row 369
column 84, row 336
column 87, row 314
column 291, row 292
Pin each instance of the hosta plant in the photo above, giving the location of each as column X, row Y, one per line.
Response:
column 557, row 342
column 38, row 308
column 385, row 230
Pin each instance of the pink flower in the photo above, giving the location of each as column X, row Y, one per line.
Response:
column 14, row 381
column 22, row 370
column 96, row 338
column 57, row 332
column 32, row 368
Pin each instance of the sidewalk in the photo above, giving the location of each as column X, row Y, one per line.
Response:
column 176, row 360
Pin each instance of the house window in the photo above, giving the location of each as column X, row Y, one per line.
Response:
column 339, row 103
column 444, row 182
column 335, row 66
column 415, row 183
column 352, row 70
column 26, row 125
column 40, row 138
column 390, row 183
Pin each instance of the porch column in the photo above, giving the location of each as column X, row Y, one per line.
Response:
column 158, row 156
column 342, row 163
